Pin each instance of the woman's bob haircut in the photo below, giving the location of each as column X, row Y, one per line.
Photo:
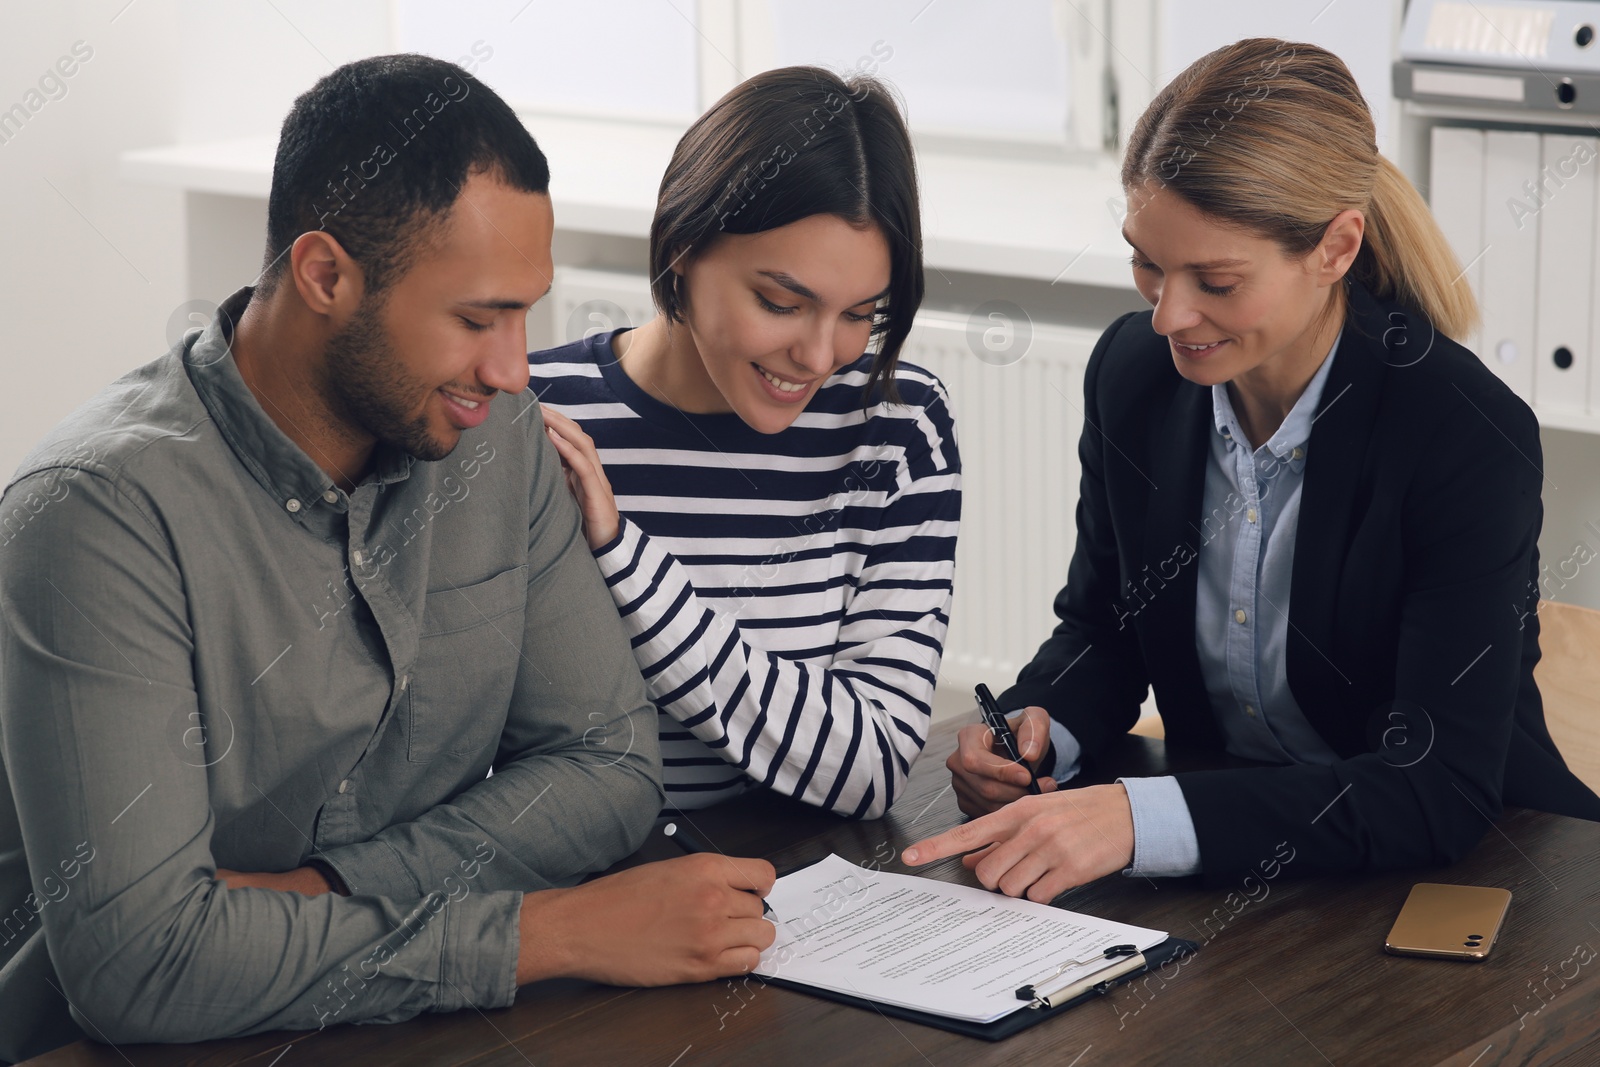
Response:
column 783, row 146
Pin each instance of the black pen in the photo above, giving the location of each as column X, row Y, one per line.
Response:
column 1004, row 739
column 691, row 843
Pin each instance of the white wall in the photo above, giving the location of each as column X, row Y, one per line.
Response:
column 89, row 265
column 92, row 267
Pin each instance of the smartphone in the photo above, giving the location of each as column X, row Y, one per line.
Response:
column 1454, row 922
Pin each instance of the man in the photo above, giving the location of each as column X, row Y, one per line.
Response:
column 275, row 605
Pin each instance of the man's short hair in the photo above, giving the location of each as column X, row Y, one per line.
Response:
column 377, row 152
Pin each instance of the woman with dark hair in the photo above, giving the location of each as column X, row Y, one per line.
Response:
column 771, row 496
column 1308, row 517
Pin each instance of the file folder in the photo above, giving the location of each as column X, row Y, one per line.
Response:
column 1455, row 195
column 1511, row 256
column 1567, row 189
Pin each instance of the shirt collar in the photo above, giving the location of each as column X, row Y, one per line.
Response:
column 1288, row 443
column 276, row 462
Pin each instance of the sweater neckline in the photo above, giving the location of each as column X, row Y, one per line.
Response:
column 717, row 428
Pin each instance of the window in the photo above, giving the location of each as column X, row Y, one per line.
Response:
column 1051, row 74
column 1002, row 69
column 1360, row 32
column 616, row 58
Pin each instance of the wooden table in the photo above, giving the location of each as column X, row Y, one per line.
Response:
column 1297, row 975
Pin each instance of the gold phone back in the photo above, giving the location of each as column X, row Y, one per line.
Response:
column 1448, row 921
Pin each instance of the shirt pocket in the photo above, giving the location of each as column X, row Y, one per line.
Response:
column 468, row 654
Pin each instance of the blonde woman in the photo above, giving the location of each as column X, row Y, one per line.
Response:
column 1308, row 519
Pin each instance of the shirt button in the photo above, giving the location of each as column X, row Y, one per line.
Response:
column 331, row 496
column 292, row 504
column 344, row 786
column 1297, row 453
column 1249, row 709
column 405, row 679
column 1238, row 615
column 1251, row 514
column 358, row 557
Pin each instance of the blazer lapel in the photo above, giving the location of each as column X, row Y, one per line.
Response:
column 1375, row 336
column 1177, row 451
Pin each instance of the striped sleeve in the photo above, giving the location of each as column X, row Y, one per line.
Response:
column 839, row 730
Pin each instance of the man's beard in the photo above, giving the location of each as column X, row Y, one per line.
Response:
column 370, row 390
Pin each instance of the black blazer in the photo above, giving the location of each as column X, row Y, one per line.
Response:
column 1412, row 635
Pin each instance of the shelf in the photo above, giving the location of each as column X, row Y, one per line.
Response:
column 1494, row 118
column 1020, row 218
column 1043, row 220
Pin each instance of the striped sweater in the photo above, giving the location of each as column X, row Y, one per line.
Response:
column 787, row 594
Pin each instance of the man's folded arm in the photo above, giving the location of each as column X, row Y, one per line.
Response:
column 95, row 672
column 577, row 778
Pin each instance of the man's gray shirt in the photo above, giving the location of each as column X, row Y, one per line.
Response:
column 210, row 656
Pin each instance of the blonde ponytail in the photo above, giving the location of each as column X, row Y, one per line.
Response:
column 1404, row 255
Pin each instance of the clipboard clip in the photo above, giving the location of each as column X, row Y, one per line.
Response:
column 1031, row 992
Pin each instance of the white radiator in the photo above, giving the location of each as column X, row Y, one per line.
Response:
column 595, row 301
column 1017, row 426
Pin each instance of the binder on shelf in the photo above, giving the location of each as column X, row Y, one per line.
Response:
column 1455, row 194
column 1507, row 58
column 1510, row 258
column 1566, row 213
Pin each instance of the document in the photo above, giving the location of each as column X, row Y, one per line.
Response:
column 930, row 946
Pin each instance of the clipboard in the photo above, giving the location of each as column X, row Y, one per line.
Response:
column 1168, row 951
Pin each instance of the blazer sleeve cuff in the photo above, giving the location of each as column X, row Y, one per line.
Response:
column 1068, row 752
